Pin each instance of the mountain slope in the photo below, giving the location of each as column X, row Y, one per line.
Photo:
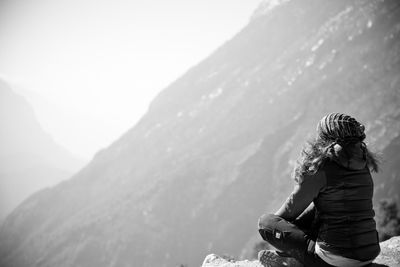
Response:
column 216, row 148
column 29, row 158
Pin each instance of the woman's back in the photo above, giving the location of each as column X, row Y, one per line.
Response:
column 344, row 206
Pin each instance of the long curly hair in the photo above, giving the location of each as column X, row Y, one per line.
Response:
column 331, row 131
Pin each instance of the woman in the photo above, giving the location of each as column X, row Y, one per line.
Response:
column 328, row 219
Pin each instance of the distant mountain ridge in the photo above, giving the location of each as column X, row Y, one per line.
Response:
column 217, row 147
column 29, row 158
column 267, row 6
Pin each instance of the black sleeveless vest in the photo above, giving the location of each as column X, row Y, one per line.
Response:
column 345, row 213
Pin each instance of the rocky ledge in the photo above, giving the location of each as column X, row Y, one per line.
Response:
column 390, row 256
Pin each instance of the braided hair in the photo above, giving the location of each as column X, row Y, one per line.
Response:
column 341, row 129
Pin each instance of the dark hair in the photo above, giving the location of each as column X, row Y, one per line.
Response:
column 317, row 151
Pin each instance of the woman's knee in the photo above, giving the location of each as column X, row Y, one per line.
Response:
column 266, row 225
column 267, row 221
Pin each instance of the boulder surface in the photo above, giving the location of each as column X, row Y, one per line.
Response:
column 390, row 256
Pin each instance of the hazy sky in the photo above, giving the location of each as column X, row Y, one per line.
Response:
column 91, row 67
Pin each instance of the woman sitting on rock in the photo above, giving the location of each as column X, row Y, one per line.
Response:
column 328, row 219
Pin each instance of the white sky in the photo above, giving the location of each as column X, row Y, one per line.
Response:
column 91, row 67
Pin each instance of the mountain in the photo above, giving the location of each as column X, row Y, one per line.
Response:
column 216, row 147
column 29, row 158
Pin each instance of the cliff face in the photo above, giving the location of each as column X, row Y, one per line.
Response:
column 389, row 257
column 216, row 148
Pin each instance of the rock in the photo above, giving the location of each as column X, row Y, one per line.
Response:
column 213, row 260
column 390, row 253
column 389, row 256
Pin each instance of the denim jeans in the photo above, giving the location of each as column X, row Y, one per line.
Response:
column 295, row 239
